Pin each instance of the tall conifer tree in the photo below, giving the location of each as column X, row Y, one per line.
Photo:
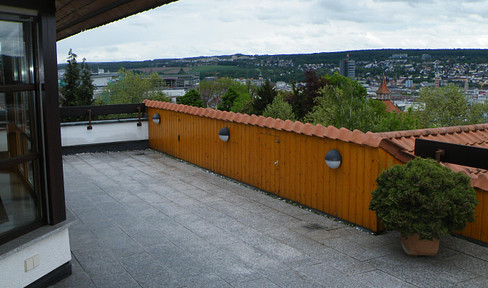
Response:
column 77, row 88
column 71, row 81
column 85, row 92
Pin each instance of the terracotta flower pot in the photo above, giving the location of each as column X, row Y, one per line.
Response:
column 412, row 245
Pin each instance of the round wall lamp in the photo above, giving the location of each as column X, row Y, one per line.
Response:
column 224, row 134
column 333, row 159
column 156, row 118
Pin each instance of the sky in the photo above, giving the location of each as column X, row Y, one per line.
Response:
column 192, row 28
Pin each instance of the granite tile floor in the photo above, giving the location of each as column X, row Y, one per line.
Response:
column 144, row 219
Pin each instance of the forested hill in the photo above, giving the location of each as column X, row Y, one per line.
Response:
column 477, row 56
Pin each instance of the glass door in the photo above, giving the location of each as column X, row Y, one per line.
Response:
column 20, row 193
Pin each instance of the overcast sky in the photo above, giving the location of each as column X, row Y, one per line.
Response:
column 189, row 28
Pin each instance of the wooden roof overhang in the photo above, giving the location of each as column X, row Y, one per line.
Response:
column 75, row 16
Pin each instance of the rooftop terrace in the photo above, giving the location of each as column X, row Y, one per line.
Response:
column 143, row 219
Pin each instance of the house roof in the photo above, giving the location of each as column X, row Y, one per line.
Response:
column 383, row 89
column 471, row 135
column 74, row 16
column 390, row 107
column 400, row 144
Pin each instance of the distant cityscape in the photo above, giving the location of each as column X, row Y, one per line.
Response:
column 406, row 73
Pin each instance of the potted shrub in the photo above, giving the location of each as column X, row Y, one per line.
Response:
column 424, row 201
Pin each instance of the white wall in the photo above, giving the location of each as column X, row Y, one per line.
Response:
column 53, row 251
column 73, row 135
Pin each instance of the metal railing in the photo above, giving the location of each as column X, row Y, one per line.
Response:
column 103, row 110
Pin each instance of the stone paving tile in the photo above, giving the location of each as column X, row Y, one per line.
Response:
column 261, row 282
column 143, row 219
column 473, row 283
column 204, row 280
column 79, row 278
column 377, row 279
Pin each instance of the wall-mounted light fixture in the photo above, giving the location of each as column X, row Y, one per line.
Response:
column 333, row 159
column 156, row 118
column 224, row 134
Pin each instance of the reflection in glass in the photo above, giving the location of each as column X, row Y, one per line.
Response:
column 16, row 119
column 16, row 50
column 19, row 200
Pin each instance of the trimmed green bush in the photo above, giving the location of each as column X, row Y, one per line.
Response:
column 424, row 197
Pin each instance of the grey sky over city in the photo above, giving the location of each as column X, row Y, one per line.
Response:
column 190, row 28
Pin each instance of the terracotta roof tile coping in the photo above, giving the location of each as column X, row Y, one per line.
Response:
column 480, row 182
column 253, row 119
column 261, row 121
column 307, row 129
column 297, row 127
column 237, row 117
column 318, row 130
column 288, row 125
column 331, row 132
column 357, row 136
column 278, row 124
column 269, row 122
column 434, row 131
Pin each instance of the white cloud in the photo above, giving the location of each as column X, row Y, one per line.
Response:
column 194, row 27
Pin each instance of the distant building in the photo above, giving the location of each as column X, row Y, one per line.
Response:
column 348, row 68
column 383, row 93
column 437, row 81
column 399, row 56
column 180, row 81
column 101, row 80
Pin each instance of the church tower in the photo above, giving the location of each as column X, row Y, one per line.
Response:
column 383, row 93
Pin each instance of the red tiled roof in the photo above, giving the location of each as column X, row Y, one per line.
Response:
column 383, row 89
column 331, row 132
column 471, row 135
column 390, row 107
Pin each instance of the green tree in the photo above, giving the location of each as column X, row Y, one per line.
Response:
column 130, row 88
column 478, row 113
column 343, row 103
column 441, row 107
column 86, row 88
column 396, row 122
column 71, row 81
column 216, row 89
column 303, row 99
column 134, row 88
column 191, row 98
column 241, row 102
column 228, row 100
column 336, row 108
column 279, row 108
column 265, row 95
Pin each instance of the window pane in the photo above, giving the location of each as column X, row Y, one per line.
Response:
column 16, row 61
column 19, row 197
column 17, row 114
